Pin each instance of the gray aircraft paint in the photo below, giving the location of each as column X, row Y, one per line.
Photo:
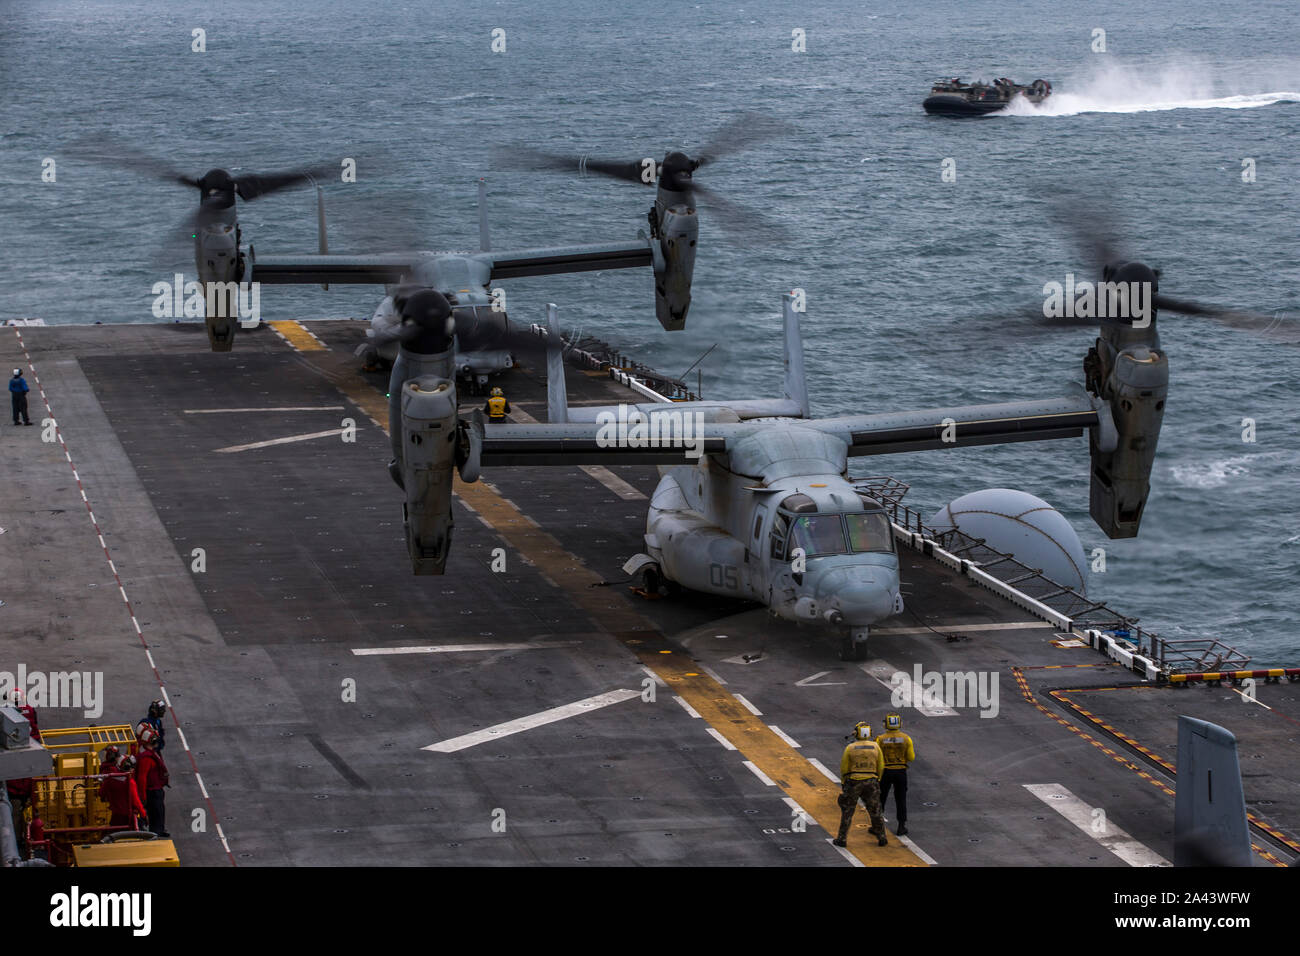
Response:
column 1210, row 825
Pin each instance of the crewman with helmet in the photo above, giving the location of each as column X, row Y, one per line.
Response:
column 154, row 721
column 150, row 778
column 897, row 749
column 119, row 791
column 108, row 759
column 497, row 407
column 860, row 769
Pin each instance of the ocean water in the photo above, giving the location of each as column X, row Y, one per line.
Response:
column 912, row 283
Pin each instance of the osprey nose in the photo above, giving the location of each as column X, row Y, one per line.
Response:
column 863, row 603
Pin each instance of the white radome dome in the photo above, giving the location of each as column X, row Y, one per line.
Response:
column 1022, row 525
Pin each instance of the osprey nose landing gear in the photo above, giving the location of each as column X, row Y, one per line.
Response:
column 853, row 645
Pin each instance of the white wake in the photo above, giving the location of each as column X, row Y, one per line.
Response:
column 1125, row 89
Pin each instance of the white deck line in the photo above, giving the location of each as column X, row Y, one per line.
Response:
column 1083, row 816
column 519, row 725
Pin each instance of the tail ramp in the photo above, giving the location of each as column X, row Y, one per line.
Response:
column 796, row 385
column 1210, row 827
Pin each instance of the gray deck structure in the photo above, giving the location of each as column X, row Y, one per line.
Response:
column 306, row 566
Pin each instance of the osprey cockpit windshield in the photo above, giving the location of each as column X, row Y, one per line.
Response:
column 799, row 524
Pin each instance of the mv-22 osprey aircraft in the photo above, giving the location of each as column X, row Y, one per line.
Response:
column 754, row 500
column 484, row 335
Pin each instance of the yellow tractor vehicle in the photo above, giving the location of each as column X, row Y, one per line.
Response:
column 69, row 823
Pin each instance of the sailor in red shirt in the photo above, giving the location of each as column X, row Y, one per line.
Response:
column 109, row 760
column 120, row 792
column 151, row 777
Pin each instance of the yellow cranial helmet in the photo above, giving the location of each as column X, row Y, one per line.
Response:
column 497, row 393
column 862, row 730
column 893, row 722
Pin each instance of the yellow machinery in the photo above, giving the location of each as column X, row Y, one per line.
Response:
column 73, row 818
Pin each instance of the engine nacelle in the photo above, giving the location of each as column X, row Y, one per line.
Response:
column 429, row 452
column 677, row 231
column 1134, row 382
column 217, row 260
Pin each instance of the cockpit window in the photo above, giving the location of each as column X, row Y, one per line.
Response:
column 870, row 532
column 818, row 534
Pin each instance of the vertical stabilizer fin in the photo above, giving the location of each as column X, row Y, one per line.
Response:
column 1210, row 827
column 320, row 228
column 557, row 398
column 484, row 240
column 796, row 385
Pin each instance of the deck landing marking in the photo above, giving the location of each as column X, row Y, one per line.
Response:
column 813, row 682
column 297, row 335
column 613, row 482
column 911, row 845
column 458, row 648
column 687, row 707
column 280, row 441
column 958, row 626
column 520, row 724
column 712, row 673
column 280, row 408
column 884, row 673
column 845, row 853
column 720, row 739
column 784, row 736
column 824, row 770
column 767, row 781
column 1081, row 815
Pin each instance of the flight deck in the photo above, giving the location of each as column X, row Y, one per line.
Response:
column 223, row 526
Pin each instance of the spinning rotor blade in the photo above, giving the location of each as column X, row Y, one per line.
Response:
column 527, row 159
column 112, row 152
column 746, row 130
column 511, row 338
column 252, row 186
column 739, row 218
column 109, row 151
column 677, row 171
column 1092, row 226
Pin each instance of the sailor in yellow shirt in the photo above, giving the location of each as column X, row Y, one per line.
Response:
column 898, row 751
column 860, row 770
column 497, row 407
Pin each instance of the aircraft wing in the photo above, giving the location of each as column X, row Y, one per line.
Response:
column 588, row 443
column 315, row 270
column 962, row 426
column 593, row 443
column 558, row 259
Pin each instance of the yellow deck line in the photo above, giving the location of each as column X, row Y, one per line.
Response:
column 752, row 738
column 297, row 335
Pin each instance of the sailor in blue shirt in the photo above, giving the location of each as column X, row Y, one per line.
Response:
column 18, row 390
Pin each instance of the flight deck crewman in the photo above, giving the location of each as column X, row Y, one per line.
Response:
column 497, row 407
column 860, row 769
column 898, row 752
column 18, row 390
